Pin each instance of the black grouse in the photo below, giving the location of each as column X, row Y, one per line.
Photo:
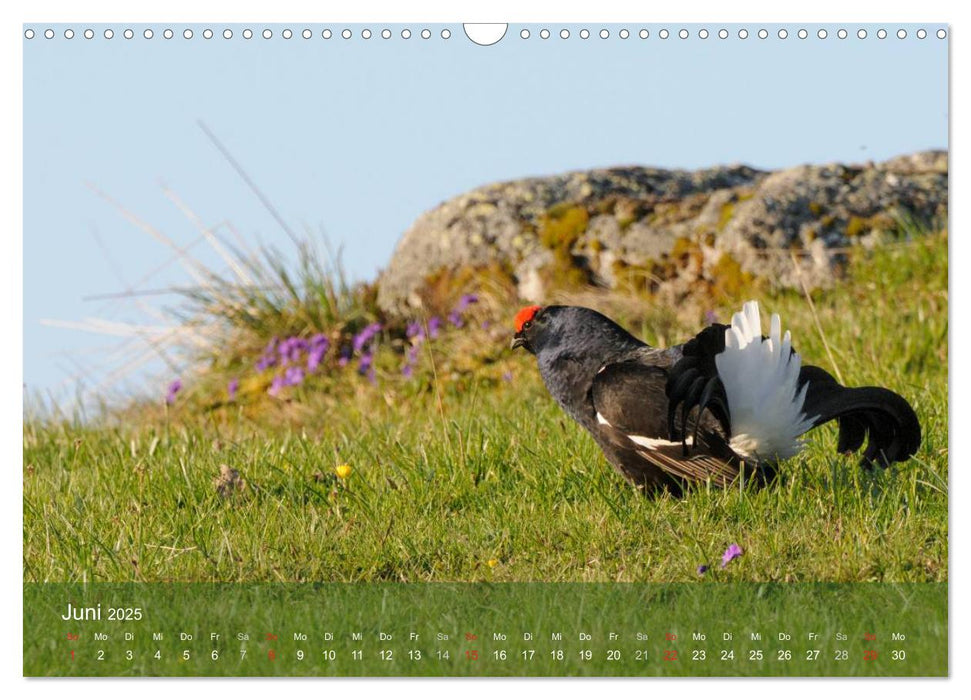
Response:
column 729, row 402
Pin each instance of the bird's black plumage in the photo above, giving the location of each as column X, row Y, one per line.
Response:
column 663, row 417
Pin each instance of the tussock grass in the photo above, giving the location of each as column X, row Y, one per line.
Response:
column 468, row 471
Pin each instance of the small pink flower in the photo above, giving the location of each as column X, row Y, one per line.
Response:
column 733, row 552
column 174, row 388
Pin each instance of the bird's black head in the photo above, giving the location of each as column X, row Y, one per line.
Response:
column 576, row 329
column 526, row 329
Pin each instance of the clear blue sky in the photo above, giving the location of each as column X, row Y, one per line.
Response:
column 357, row 137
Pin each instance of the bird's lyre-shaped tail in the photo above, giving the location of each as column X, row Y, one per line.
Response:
column 758, row 390
column 881, row 417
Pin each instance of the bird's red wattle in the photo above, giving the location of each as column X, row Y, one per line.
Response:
column 525, row 314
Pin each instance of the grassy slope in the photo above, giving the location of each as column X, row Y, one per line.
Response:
column 488, row 480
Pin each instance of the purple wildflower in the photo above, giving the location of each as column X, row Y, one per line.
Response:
column 507, row 376
column 365, row 364
column 411, row 358
column 702, row 568
column 365, row 336
column 733, row 552
column 455, row 317
column 232, row 389
column 268, row 358
column 711, row 317
column 276, row 385
column 319, row 345
column 466, row 301
column 415, row 330
column 291, row 349
column 366, row 367
column 174, row 388
column 485, row 325
column 284, row 351
column 314, row 359
column 295, row 346
column 293, row 376
column 434, row 324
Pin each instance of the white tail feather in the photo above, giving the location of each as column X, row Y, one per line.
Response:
column 760, row 379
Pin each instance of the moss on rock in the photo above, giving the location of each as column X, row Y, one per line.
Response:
column 728, row 279
column 442, row 288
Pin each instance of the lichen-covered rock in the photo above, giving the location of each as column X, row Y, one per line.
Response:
column 659, row 228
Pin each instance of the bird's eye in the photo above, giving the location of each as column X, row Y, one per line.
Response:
column 527, row 325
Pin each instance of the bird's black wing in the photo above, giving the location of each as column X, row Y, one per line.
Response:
column 631, row 412
column 693, row 384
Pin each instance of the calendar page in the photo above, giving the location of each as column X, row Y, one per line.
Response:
column 485, row 350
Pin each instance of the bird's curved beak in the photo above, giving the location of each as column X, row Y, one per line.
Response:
column 518, row 341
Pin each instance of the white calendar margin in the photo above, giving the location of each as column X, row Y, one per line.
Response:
column 436, row 11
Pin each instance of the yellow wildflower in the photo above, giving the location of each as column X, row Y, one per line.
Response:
column 342, row 470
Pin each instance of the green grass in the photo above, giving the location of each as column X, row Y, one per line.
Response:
column 461, row 476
